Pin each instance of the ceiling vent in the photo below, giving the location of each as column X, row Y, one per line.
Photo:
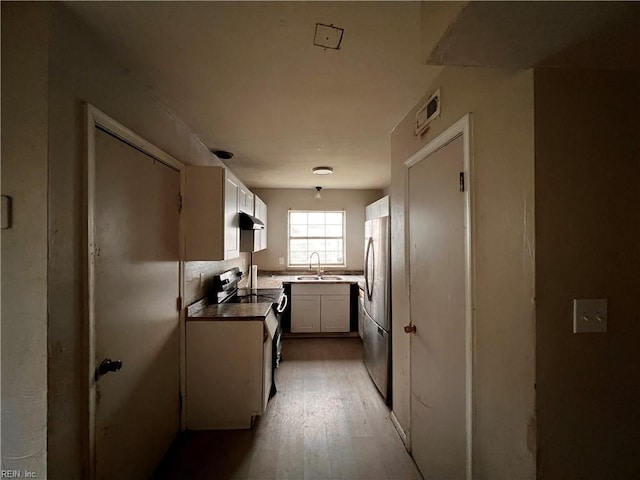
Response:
column 222, row 154
column 328, row 36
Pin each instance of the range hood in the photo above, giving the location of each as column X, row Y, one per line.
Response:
column 249, row 222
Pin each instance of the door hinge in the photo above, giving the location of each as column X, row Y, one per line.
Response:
column 179, row 303
column 462, row 181
column 179, row 203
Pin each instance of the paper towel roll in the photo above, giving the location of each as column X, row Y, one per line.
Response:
column 254, row 276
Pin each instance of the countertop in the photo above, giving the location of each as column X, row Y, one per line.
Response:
column 276, row 280
column 202, row 310
column 228, row 311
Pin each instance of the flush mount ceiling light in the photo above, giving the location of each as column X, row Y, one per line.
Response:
column 322, row 170
column 328, row 36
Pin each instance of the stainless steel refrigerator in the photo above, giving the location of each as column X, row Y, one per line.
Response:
column 376, row 336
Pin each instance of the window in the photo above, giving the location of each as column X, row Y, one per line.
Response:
column 313, row 231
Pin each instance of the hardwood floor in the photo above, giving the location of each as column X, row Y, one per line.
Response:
column 327, row 421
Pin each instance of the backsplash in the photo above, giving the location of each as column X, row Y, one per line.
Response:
column 198, row 275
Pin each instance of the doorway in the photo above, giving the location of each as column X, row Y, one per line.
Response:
column 439, row 232
column 134, row 278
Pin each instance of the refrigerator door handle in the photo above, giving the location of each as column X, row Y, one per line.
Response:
column 369, row 285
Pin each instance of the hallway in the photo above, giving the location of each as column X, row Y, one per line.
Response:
column 327, row 421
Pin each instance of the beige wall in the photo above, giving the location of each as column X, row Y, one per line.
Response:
column 587, row 246
column 196, row 286
column 81, row 70
column 501, row 102
column 280, row 201
column 25, row 39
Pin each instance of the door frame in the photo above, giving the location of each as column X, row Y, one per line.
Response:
column 463, row 128
column 94, row 119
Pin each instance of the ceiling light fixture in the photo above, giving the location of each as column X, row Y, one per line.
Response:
column 322, row 170
column 318, row 196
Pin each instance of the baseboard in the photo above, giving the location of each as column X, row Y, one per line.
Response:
column 321, row 335
column 400, row 430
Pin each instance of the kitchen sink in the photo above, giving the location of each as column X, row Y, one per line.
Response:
column 315, row 277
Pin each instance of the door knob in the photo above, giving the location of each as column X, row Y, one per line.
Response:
column 107, row 365
column 409, row 328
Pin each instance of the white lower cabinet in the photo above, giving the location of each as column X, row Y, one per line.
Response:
column 305, row 313
column 320, row 308
column 228, row 372
column 334, row 313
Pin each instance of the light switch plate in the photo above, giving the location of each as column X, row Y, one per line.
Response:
column 589, row 315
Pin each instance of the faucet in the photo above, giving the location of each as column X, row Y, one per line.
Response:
column 319, row 272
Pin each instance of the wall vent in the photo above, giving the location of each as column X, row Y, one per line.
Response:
column 427, row 113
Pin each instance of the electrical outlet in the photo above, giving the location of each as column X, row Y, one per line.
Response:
column 281, row 260
column 589, row 315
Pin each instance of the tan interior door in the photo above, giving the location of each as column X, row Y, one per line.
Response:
column 136, row 318
column 437, row 271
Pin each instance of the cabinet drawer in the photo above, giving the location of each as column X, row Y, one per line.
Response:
column 320, row 289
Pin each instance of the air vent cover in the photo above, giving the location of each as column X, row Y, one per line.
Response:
column 429, row 111
column 328, row 36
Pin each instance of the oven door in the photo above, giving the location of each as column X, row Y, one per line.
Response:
column 279, row 308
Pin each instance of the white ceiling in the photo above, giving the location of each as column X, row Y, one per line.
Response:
column 246, row 77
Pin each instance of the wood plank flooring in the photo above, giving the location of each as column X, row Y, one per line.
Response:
column 327, row 421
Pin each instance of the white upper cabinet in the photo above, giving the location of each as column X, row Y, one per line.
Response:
column 255, row 240
column 231, row 217
column 379, row 208
column 245, row 200
column 214, row 198
column 210, row 208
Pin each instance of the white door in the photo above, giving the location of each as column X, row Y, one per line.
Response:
column 136, row 316
column 437, row 276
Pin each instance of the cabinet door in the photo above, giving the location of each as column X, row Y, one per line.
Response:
column 334, row 313
column 245, row 200
column 305, row 313
column 231, row 220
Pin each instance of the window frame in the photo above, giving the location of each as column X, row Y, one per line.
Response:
column 343, row 238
